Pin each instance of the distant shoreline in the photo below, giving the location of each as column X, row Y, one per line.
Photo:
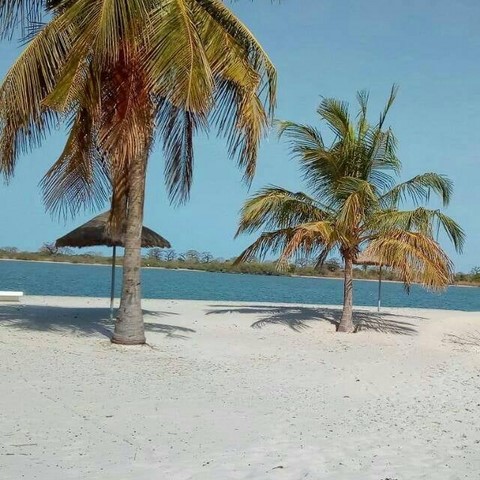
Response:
column 53, row 261
column 96, row 264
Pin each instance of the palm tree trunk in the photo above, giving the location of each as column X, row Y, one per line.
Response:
column 129, row 326
column 346, row 322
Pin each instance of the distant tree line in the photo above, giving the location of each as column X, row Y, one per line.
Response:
column 195, row 260
column 206, row 261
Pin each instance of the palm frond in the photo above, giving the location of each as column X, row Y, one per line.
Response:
column 277, row 208
column 358, row 200
column 177, row 128
column 309, row 238
column 323, row 255
column 303, row 139
column 257, row 57
column 176, row 62
column 335, row 113
column 418, row 189
column 417, row 220
column 452, row 229
column 119, row 24
column 362, row 120
column 347, row 186
column 19, row 15
column 273, row 242
column 388, row 106
column 241, row 110
column 320, row 167
column 80, row 178
column 416, row 257
column 250, row 127
column 420, row 220
column 381, row 150
column 24, row 120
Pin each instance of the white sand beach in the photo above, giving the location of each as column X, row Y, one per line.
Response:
column 238, row 391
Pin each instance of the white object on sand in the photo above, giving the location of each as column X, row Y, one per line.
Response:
column 10, row 296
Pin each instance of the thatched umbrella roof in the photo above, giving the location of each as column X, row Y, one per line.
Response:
column 94, row 233
column 365, row 259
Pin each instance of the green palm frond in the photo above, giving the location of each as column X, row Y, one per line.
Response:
column 304, row 240
column 418, row 189
column 452, row 229
column 20, row 15
column 320, row 166
column 362, row 120
column 366, row 191
column 277, row 208
column 388, row 106
column 381, row 150
column 24, row 121
column 257, row 57
column 354, row 209
column 304, row 139
column 335, row 113
column 177, row 63
column 274, row 242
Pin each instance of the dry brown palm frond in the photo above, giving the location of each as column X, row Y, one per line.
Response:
column 416, row 257
column 81, row 176
column 309, row 239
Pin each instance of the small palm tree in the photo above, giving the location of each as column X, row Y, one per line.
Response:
column 120, row 74
column 354, row 204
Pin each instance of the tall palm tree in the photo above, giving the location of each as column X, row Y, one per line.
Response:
column 353, row 203
column 120, row 74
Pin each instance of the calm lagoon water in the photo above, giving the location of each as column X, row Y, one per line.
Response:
column 35, row 278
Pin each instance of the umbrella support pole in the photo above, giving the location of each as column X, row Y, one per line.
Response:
column 379, row 289
column 112, row 291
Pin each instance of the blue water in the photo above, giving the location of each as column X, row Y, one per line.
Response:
column 36, row 278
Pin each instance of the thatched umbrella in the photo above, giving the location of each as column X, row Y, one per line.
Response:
column 95, row 233
column 368, row 260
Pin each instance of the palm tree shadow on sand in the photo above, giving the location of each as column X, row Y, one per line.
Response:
column 299, row 318
column 466, row 340
column 79, row 321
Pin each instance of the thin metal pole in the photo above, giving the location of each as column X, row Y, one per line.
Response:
column 379, row 288
column 112, row 292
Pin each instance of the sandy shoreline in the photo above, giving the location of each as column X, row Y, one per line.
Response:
column 231, row 390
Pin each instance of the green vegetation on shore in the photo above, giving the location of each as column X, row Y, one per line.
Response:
column 206, row 262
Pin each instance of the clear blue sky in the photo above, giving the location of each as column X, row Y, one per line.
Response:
column 431, row 48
